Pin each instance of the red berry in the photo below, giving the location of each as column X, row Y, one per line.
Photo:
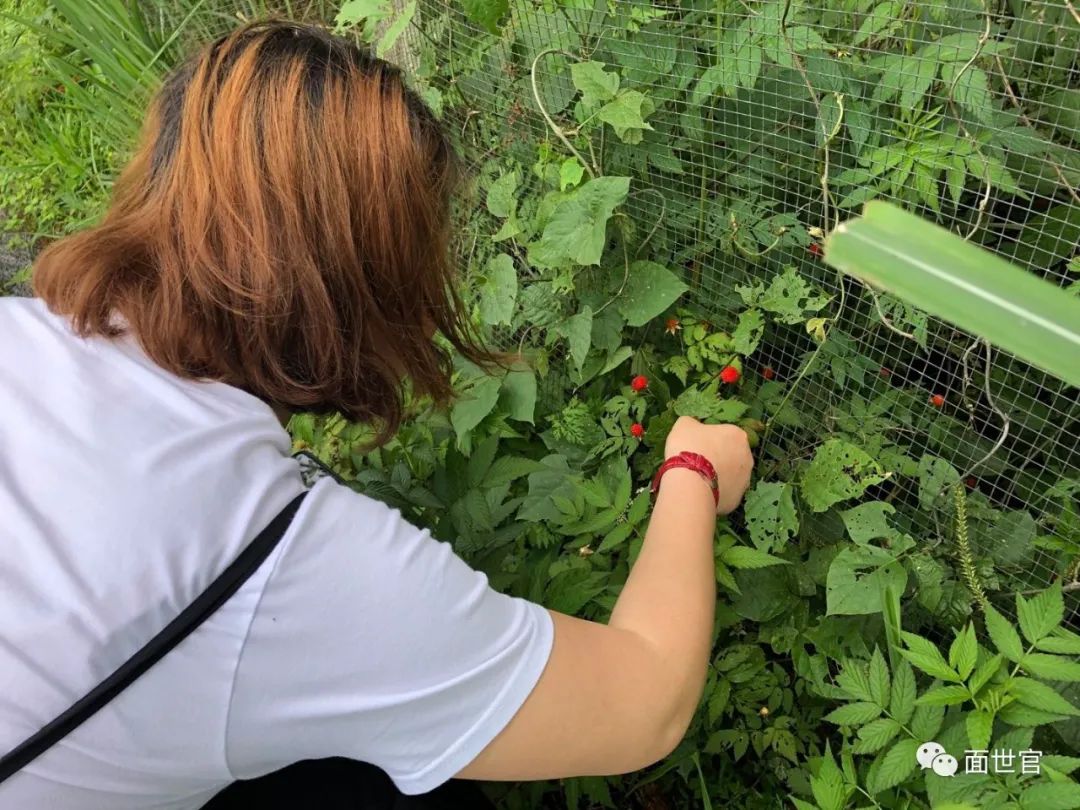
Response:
column 937, row 400
column 815, row 249
column 970, row 482
column 672, row 326
column 768, row 372
column 636, row 430
column 884, row 372
column 640, row 382
column 730, row 375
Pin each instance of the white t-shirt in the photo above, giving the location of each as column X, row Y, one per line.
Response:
column 124, row 491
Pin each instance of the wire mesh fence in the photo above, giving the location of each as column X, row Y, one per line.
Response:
column 766, row 122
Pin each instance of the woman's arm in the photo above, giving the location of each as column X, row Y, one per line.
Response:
column 618, row 697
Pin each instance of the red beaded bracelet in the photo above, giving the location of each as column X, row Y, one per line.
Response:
column 690, row 461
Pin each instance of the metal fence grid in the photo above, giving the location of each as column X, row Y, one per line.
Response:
column 718, row 164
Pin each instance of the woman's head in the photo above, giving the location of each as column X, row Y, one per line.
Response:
column 283, row 228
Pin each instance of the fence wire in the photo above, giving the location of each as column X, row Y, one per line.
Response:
column 771, row 121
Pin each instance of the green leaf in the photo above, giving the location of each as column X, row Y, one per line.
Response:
column 1051, row 796
column 639, row 507
column 830, row 118
column 979, row 725
column 771, row 519
column 357, row 11
column 1038, row 695
column 1051, row 667
column 853, row 681
column 704, row 404
column 1017, row 714
column 926, row 721
column 854, row 714
column 828, row 785
column 395, row 29
column 858, row 577
column 570, row 173
column 624, row 112
column 577, row 329
column 936, row 475
column 498, row 291
column 868, row 521
column 1062, row 641
column 789, row 298
column 925, row 655
column 486, row 13
column 746, row 557
column 1002, row 633
column 839, row 471
column 875, row 735
column 577, row 229
column 509, row 468
column 950, row 695
column 595, row 83
column 1061, row 763
column 964, row 651
column 937, row 271
column 882, row 18
column 1041, row 614
column 896, row 766
column 984, row 672
column 472, row 406
column 519, row 388
column 971, row 90
column 616, row 537
column 650, row 289
column 880, row 682
column 748, row 332
column 902, row 703
column 501, row 201
column 748, row 62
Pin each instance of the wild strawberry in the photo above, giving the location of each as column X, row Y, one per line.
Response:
column 970, row 482
column 768, row 373
column 730, row 375
column 640, row 382
column 937, row 400
column 885, row 372
column 636, row 430
column 672, row 326
column 815, row 249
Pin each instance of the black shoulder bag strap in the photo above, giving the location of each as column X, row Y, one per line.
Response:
column 216, row 594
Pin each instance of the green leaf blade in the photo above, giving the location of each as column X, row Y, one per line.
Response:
column 948, row 277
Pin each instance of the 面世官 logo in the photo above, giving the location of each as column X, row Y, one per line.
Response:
column 932, row 755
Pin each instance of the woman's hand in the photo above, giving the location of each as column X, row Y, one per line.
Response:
column 725, row 446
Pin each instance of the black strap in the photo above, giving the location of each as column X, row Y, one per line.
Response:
column 217, row 593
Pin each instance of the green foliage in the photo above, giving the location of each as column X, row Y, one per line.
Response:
column 861, row 607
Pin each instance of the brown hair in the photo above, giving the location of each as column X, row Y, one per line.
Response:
column 283, row 228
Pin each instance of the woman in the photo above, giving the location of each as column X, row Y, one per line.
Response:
column 278, row 243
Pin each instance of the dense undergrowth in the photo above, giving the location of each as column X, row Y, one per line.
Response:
column 642, row 224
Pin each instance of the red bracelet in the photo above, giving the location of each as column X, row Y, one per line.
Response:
column 690, row 461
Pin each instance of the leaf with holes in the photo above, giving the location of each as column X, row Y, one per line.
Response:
column 858, row 577
column 838, row 472
column 771, row 519
column 868, row 521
